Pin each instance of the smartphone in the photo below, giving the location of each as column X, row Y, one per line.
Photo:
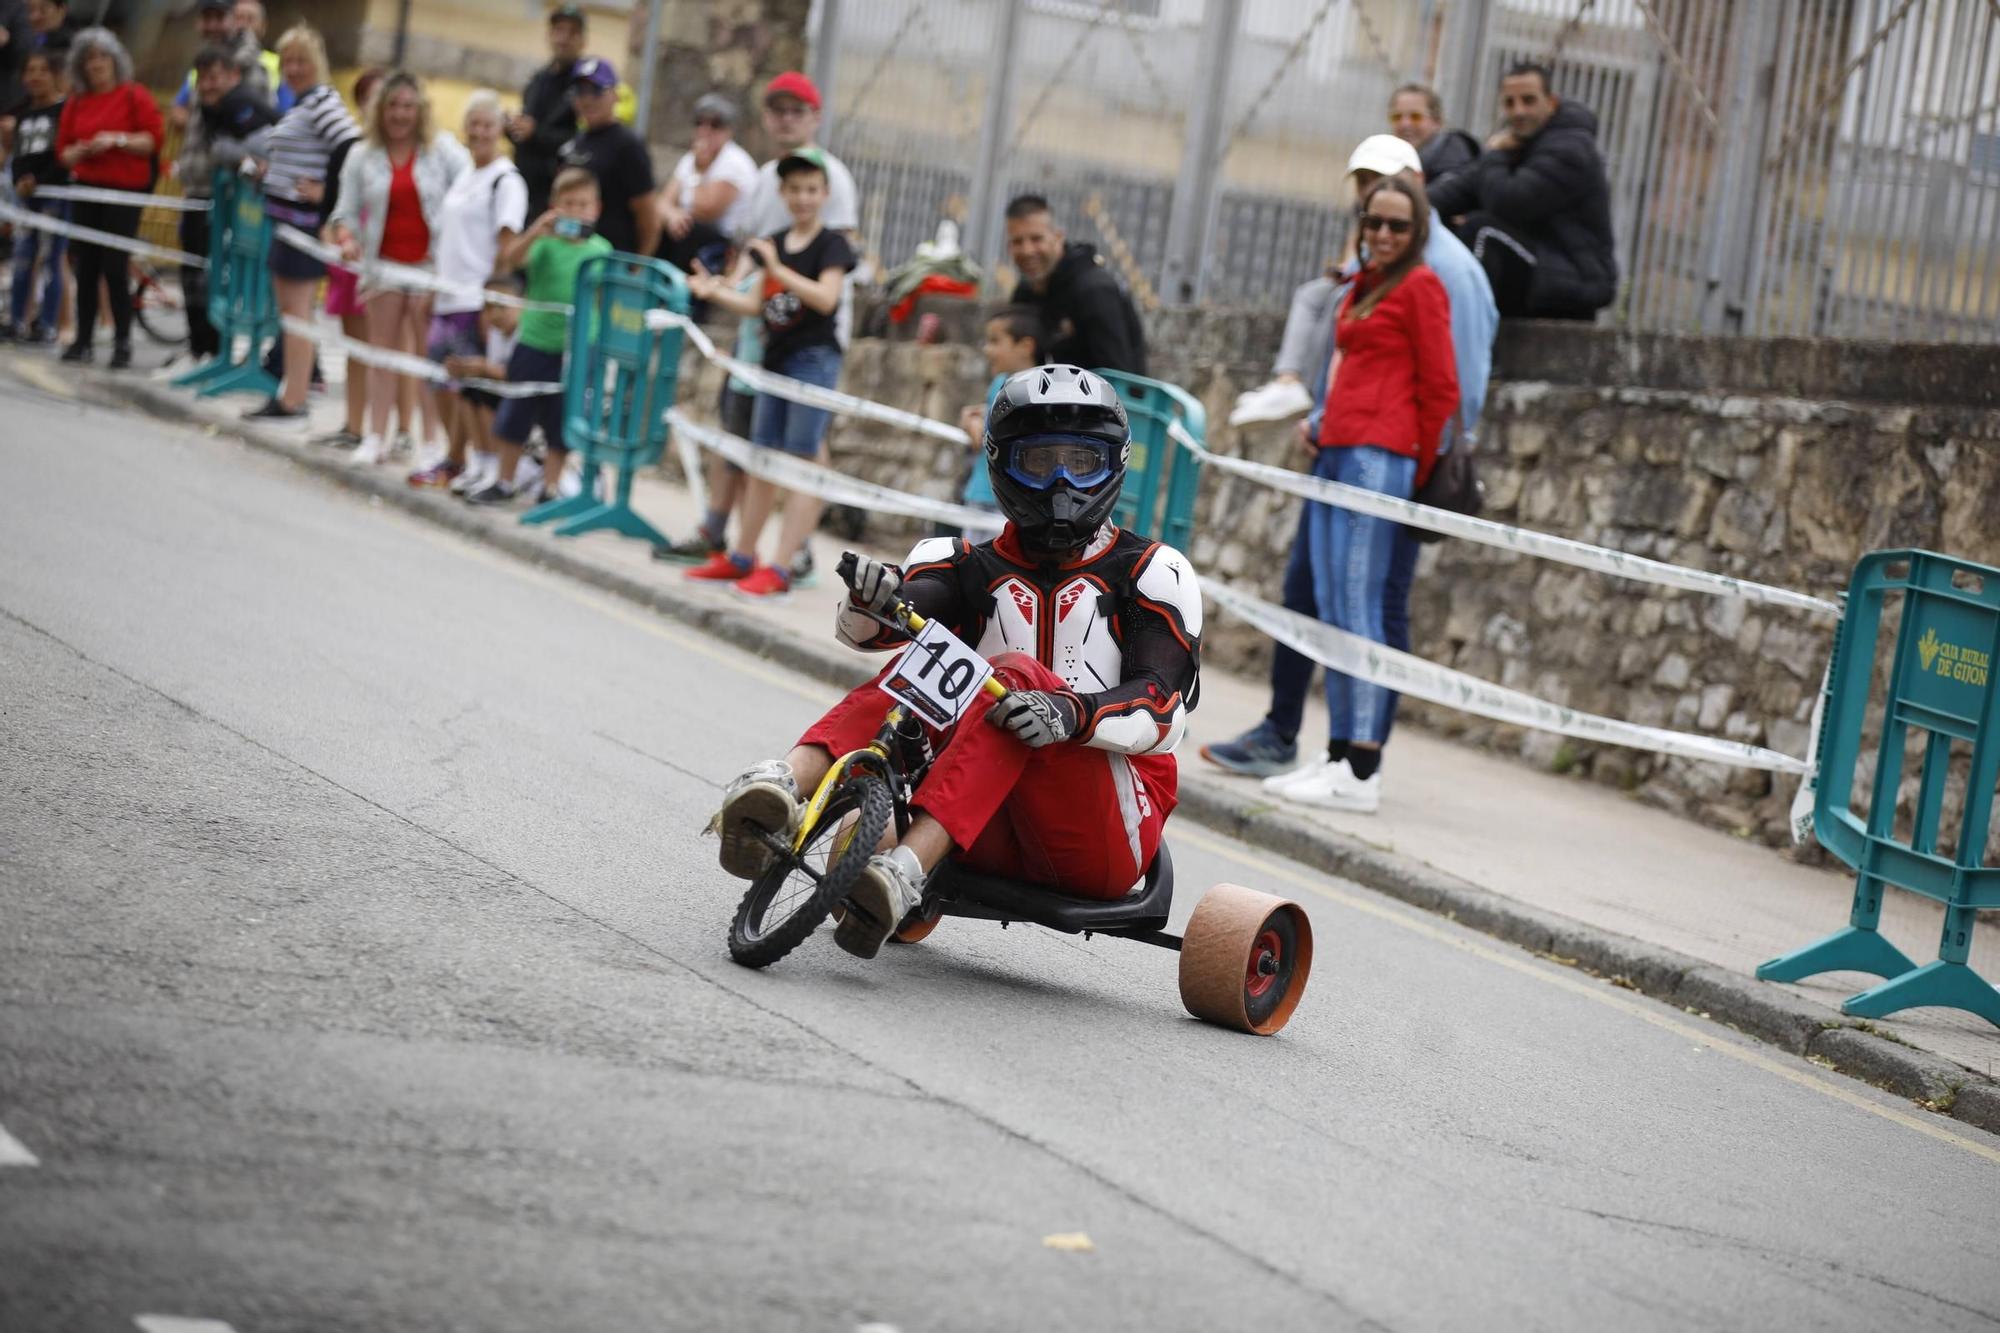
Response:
column 572, row 229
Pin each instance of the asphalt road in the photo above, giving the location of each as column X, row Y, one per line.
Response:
column 362, row 968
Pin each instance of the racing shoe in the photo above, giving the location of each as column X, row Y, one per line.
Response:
column 889, row 889
column 1271, row 402
column 764, row 798
column 1258, row 752
column 1334, row 787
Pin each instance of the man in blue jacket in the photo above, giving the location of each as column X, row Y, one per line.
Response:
column 1271, row 747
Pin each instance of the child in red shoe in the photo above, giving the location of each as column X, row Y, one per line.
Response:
column 804, row 267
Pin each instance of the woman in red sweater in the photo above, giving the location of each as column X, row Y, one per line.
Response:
column 1394, row 387
column 109, row 132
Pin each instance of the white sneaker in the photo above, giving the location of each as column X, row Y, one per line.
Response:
column 1335, row 787
column 1311, row 768
column 528, row 477
column 474, row 477
column 890, row 888
column 1271, row 402
column 368, row 452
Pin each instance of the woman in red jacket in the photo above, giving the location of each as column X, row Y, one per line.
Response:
column 1395, row 386
column 109, row 132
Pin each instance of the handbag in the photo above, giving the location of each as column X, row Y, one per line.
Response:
column 1453, row 485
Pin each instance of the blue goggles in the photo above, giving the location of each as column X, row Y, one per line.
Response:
column 1041, row 461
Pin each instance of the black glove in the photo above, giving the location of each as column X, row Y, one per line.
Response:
column 873, row 583
column 1038, row 717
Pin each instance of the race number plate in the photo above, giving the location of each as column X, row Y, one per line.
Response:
column 937, row 677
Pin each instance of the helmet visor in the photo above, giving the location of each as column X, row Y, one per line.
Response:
column 1039, row 462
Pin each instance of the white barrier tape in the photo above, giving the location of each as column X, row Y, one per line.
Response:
column 22, row 217
column 1338, row 650
column 1488, row 533
column 796, row 391
column 799, row 474
column 403, row 363
column 90, row 194
column 381, row 273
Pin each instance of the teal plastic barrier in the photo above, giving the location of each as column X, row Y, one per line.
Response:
column 619, row 379
column 240, row 302
column 1162, row 478
column 1941, row 684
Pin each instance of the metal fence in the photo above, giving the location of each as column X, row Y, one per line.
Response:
column 1808, row 167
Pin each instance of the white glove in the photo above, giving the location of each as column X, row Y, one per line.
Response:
column 1037, row 717
column 873, row 583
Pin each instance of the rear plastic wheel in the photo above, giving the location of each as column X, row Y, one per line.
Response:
column 786, row 903
column 1245, row 959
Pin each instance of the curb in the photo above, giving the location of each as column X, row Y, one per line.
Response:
column 1821, row 1034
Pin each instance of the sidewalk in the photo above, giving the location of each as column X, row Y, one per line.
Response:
column 1563, row 867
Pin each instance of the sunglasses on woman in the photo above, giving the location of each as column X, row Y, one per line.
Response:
column 1394, row 226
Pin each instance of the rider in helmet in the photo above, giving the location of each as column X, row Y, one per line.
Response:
column 1096, row 632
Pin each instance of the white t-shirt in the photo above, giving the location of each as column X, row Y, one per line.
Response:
column 733, row 165
column 479, row 204
column 767, row 212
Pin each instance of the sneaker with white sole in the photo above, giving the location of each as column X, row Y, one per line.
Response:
column 1271, row 402
column 528, row 475
column 889, row 889
column 369, row 452
column 1311, row 768
column 1335, row 787
column 762, row 799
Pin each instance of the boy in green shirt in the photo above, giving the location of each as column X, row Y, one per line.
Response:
column 552, row 251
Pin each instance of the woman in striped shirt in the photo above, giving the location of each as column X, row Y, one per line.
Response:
column 301, row 154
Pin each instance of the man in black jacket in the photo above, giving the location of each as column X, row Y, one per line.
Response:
column 1536, row 206
column 547, row 121
column 1092, row 318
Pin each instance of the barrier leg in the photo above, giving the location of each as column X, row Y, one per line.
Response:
column 582, row 502
column 617, row 516
column 1858, row 948
column 1939, row 984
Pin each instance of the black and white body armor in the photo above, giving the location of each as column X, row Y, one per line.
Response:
column 1121, row 625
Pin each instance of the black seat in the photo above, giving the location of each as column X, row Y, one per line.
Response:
column 966, row 893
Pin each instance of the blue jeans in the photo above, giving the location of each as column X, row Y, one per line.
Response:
column 1351, row 557
column 1291, row 671
column 30, row 246
column 779, row 423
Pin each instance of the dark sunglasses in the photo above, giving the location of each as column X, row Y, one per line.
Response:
column 1394, row 226
column 710, row 123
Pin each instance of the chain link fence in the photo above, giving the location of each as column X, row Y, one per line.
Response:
column 1778, row 167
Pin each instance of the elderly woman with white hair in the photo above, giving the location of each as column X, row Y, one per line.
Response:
column 391, row 209
column 486, row 207
column 108, row 138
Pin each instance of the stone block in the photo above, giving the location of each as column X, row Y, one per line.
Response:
column 1740, row 518
column 1716, row 701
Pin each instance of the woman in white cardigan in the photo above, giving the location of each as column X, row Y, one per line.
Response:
column 390, row 207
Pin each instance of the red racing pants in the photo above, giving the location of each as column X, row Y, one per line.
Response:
column 1081, row 820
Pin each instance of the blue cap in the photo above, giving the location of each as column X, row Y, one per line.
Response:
column 596, row 71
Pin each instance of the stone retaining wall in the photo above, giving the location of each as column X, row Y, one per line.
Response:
column 1663, row 462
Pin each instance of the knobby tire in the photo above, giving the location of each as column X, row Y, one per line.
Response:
column 754, row 946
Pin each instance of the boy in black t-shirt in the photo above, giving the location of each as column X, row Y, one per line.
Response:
column 616, row 156
column 33, row 143
column 804, row 268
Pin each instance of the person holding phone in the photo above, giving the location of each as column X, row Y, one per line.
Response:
column 552, row 251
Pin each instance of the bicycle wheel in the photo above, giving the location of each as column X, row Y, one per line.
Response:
column 158, row 305
column 787, row 902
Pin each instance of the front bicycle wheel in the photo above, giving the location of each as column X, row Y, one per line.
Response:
column 159, row 308
column 787, row 902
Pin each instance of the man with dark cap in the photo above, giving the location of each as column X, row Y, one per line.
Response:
column 616, row 156
column 546, row 120
column 708, row 196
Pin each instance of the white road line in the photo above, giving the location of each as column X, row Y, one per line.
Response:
column 14, row 1153
column 173, row 1323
